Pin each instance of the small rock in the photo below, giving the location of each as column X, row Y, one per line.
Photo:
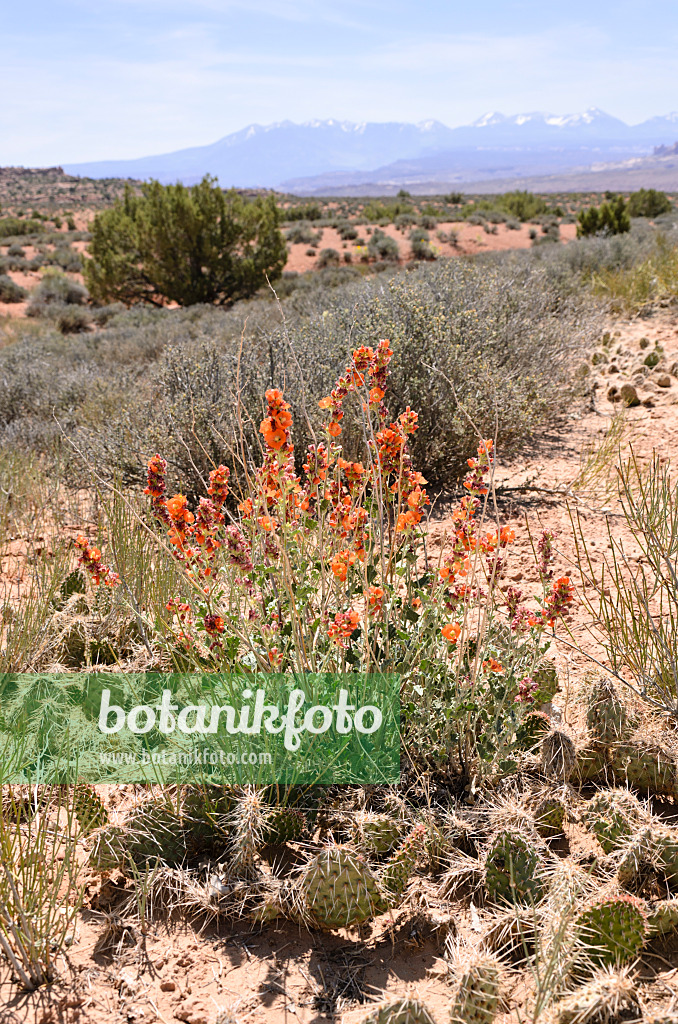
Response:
column 643, row 343
column 193, row 1011
column 638, row 380
column 613, row 369
column 613, row 393
column 673, row 369
column 629, row 395
column 663, row 380
column 168, row 986
column 598, row 357
column 648, row 402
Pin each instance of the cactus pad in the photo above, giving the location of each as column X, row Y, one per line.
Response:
column 377, row 833
column 399, row 1011
column 613, row 816
column 513, row 869
column 477, row 991
column 648, row 768
column 613, row 928
column 558, row 756
column 396, row 873
column 545, row 675
column 606, row 718
column 88, row 807
column 609, row 996
column 337, row 889
column 284, row 825
column 549, row 816
column 662, row 917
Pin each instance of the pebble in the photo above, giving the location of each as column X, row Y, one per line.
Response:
column 663, row 380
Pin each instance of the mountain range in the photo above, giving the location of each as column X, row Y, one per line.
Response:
column 324, row 157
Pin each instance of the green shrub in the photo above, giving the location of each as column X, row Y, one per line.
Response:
column 611, row 218
column 328, row 258
column 302, row 233
column 10, row 291
column 347, row 232
column 15, row 250
column 421, row 245
column 383, row 247
column 55, row 289
column 188, row 245
column 311, row 211
column 10, row 226
column 454, row 198
column 648, row 202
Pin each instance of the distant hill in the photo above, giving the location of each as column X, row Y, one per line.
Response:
column 324, row 157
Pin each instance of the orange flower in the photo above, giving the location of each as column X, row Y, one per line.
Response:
column 334, row 429
column 245, row 507
column 416, row 602
column 507, row 536
column 325, row 403
column 375, row 598
column 341, row 563
column 283, row 418
column 178, row 509
column 376, row 395
column 266, row 523
column 492, row 665
column 451, row 632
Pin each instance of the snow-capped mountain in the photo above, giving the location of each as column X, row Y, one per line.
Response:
column 332, row 154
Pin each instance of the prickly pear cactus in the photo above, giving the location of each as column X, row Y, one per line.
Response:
column 645, row 767
column 376, row 833
column 154, row 832
column 477, row 991
column 591, row 764
column 613, row 815
column 109, row 848
column 545, row 675
column 666, row 852
column 247, row 822
column 532, row 729
column 636, row 856
column 662, row 917
column 399, row 1011
column 396, row 873
column 88, row 807
column 337, row 889
column 558, row 756
column 613, row 928
column 606, row 718
column 513, row 869
column 610, row 995
column 284, row 825
column 549, row 816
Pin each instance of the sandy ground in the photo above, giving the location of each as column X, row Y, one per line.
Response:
column 470, row 239
column 281, row 974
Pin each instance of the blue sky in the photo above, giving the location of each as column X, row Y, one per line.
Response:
column 95, row 79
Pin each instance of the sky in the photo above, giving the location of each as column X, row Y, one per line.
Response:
column 115, row 79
